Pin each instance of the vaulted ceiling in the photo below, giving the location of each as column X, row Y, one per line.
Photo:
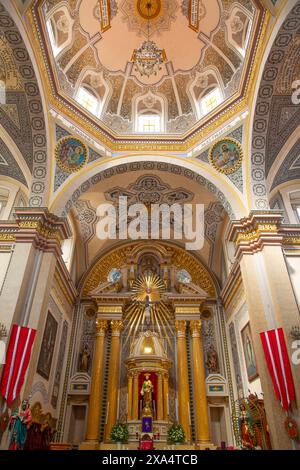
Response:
column 89, row 45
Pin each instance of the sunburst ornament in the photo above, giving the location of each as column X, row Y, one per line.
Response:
column 148, row 309
column 149, row 285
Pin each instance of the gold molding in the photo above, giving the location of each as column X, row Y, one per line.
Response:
column 7, row 237
column 110, row 309
column 187, row 310
column 291, row 240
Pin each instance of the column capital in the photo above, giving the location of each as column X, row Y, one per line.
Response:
column 196, row 328
column 252, row 233
column 116, row 327
column 101, row 327
column 180, row 326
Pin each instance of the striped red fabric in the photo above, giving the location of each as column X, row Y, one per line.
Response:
column 279, row 365
column 17, row 359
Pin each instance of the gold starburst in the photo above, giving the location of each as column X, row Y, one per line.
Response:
column 148, row 309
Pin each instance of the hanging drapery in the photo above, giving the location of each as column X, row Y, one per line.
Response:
column 17, row 359
column 279, row 365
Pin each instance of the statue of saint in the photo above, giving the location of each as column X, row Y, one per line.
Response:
column 84, row 359
column 212, row 361
column 19, row 423
column 246, row 429
column 146, row 392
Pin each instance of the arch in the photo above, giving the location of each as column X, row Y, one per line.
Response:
column 98, row 270
column 71, row 190
column 273, row 95
column 31, row 137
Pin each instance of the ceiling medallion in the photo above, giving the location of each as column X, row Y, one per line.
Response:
column 226, row 156
column 148, row 9
column 148, row 59
column 71, row 154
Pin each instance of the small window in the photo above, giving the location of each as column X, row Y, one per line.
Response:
column 67, row 250
column 149, row 123
column 298, row 213
column 87, row 100
column 210, row 101
column 54, row 47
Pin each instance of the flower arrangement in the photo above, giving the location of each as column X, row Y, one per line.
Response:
column 119, row 433
column 291, row 428
column 176, row 434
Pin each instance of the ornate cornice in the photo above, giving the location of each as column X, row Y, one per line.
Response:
column 36, row 226
column 252, row 233
column 40, row 225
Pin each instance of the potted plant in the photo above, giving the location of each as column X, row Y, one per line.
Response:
column 119, row 434
column 176, row 434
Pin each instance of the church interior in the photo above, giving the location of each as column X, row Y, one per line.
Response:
column 141, row 343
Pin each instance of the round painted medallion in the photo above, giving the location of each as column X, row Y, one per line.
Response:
column 226, row 156
column 183, row 276
column 114, row 276
column 71, row 154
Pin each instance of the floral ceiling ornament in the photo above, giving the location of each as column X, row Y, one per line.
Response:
column 148, row 59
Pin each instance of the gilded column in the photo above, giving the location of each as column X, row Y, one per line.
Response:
column 160, row 403
column 135, row 400
column 166, row 396
column 200, row 400
column 129, row 402
column 96, row 383
column 113, row 381
column 182, row 379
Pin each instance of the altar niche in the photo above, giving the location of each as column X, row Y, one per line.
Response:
column 148, row 389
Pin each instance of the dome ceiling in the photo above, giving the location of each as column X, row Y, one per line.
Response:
column 89, row 46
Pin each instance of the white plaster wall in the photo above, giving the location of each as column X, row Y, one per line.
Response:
column 240, row 318
column 4, row 263
column 293, row 265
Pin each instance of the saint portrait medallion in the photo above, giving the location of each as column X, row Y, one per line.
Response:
column 226, row 156
column 71, row 154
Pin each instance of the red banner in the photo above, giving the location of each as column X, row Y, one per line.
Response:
column 17, row 359
column 279, row 365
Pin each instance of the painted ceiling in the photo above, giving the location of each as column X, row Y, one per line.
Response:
column 89, row 44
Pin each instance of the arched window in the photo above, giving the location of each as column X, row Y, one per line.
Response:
column 210, row 101
column 149, row 110
column 88, row 100
column 68, row 247
column 149, row 123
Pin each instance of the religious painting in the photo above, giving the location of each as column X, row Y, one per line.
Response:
column 59, row 365
column 249, row 353
column 226, row 156
column 71, row 154
column 47, row 348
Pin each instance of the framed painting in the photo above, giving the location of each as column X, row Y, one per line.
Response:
column 226, row 156
column 47, row 347
column 249, row 353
